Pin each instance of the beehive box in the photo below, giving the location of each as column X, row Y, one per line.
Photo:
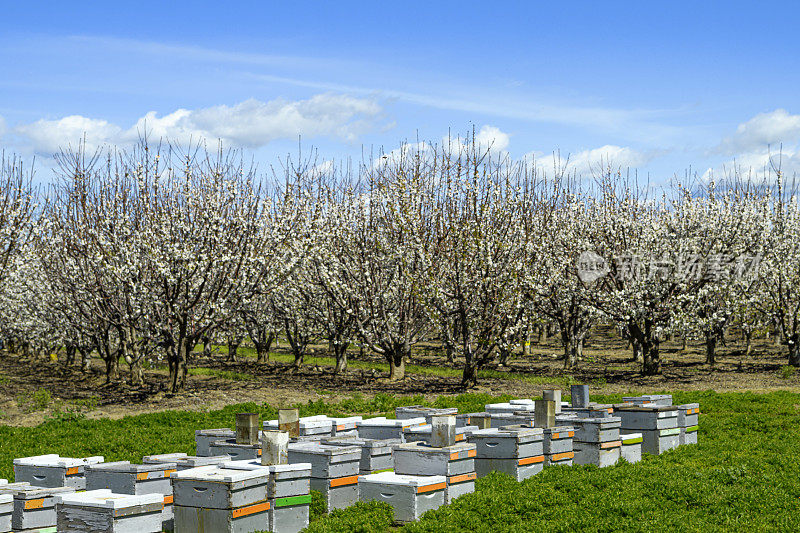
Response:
column 519, row 469
column 221, row 500
column 517, row 418
column 456, row 463
column 97, row 511
column 284, row 480
column 122, row 477
column 334, row 470
column 558, row 445
column 53, row 471
column 345, row 426
column 662, row 400
column 601, row 454
column 631, row 449
column 688, row 419
column 381, row 428
column 410, row 496
column 595, row 430
column 204, row 437
column 423, row 433
column 309, row 425
column 593, row 411
column 466, row 419
column 193, row 462
column 237, row 452
column 6, row 509
column 647, row 417
column 511, row 442
column 658, row 441
column 13, row 488
column 163, row 458
column 418, row 411
column 35, row 508
column 508, row 407
column 289, row 514
column 376, row 455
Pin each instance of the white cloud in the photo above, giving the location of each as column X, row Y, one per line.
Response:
column 760, row 131
column 757, row 166
column 488, row 139
column 587, row 163
column 403, row 154
column 251, row 124
column 48, row 136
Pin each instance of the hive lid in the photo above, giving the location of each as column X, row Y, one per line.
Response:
column 6, row 498
column 521, row 401
column 164, row 458
column 11, row 488
column 390, row 478
column 220, row 474
column 105, row 499
column 629, row 437
column 318, row 448
column 54, row 459
column 650, row 408
column 34, row 493
column 192, row 461
column 515, row 432
column 128, row 467
column 219, row 432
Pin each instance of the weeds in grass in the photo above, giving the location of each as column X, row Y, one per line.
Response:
column 788, row 372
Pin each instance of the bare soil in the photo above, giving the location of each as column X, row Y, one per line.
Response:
column 607, row 366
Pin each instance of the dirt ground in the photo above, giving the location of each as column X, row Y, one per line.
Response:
column 606, row 366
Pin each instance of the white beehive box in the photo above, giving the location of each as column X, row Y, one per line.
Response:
column 53, row 471
column 224, row 500
column 631, row 449
column 376, row 455
column 508, row 407
column 6, row 510
column 417, row 411
column 604, row 429
column 601, row 454
column 410, row 496
column 381, row 428
column 456, row 463
column 204, row 437
column 658, row 441
column 646, row 417
column 309, row 425
column 35, row 508
column 656, row 399
column 98, row 511
column 423, row 433
column 510, row 442
column 520, row 469
column 237, row 452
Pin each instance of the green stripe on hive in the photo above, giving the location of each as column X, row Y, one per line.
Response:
column 293, row 500
column 632, row 441
column 692, row 429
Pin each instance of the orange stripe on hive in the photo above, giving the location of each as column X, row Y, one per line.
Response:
column 459, row 437
column 253, row 509
column 349, row 480
column 571, row 434
column 431, row 488
column 141, row 476
column 472, row 453
column 168, row 472
column 562, row 456
column 168, row 499
column 34, row 504
column 454, row 456
column 259, row 452
column 612, row 444
column 73, row 471
column 340, row 427
column 531, row 460
column 463, row 477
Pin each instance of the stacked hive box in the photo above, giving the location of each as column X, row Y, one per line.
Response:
column 423, row 433
column 184, row 461
column 410, row 496
column 657, row 424
column 35, row 509
column 53, row 471
column 204, row 437
column 376, row 455
column 334, row 470
column 122, row 477
column 631, row 449
column 213, row 499
column 6, row 509
column 101, row 511
column 456, row 463
column 381, row 428
column 500, row 419
column 237, row 452
column 315, row 427
column 596, row 440
column 515, row 450
column 509, row 407
column 558, row 445
column 662, row 400
column 288, row 493
column 688, row 418
column 417, row 411
column 345, row 426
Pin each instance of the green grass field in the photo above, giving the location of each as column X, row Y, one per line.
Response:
column 744, row 474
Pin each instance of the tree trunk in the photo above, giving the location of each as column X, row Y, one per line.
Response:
column 794, row 352
column 262, row 348
column 340, row 353
column 570, row 349
column 233, row 350
column 469, row 378
column 651, row 360
column 397, row 367
column 711, row 349
column 69, row 355
column 748, row 346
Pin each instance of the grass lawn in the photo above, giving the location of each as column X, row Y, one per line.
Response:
column 744, row 474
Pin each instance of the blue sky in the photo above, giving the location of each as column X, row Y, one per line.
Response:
column 659, row 88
